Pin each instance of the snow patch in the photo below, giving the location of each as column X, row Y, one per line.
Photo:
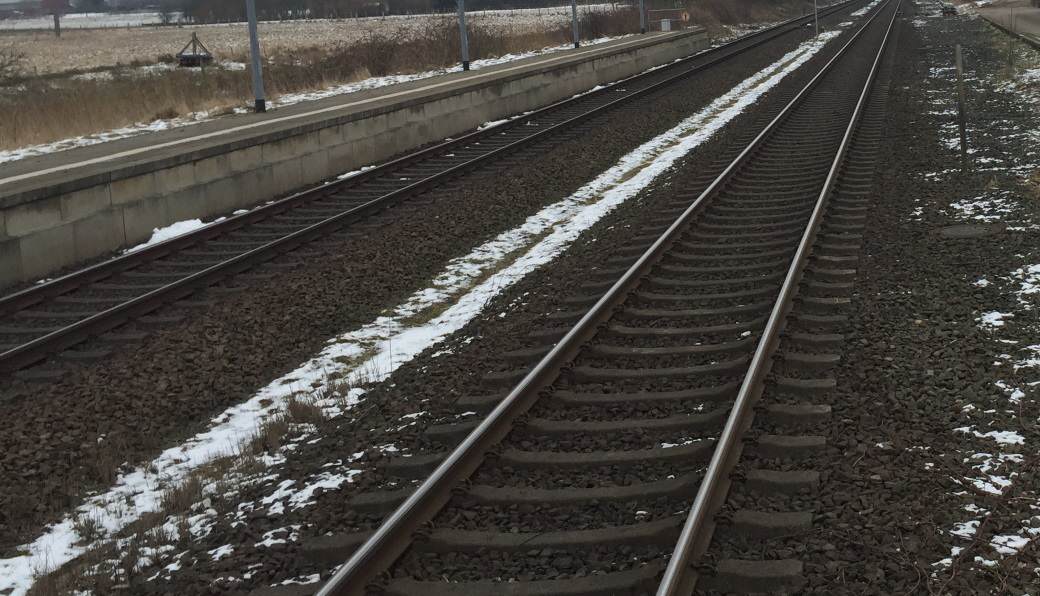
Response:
column 1003, row 437
column 993, row 319
column 866, row 8
column 492, row 124
column 171, row 231
column 222, row 551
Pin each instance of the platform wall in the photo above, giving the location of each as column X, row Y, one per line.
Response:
column 52, row 227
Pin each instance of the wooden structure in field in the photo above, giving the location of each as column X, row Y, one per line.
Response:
column 195, row 54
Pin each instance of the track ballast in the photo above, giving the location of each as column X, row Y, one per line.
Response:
column 628, row 411
column 57, row 317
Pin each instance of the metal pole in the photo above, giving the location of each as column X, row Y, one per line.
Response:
column 642, row 17
column 961, row 117
column 464, row 34
column 816, row 16
column 574, row 22
column 254, row 49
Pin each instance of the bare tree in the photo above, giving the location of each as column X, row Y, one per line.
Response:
column 56, row 8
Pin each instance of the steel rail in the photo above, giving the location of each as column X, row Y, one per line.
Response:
column 56, row 287
column 679, row 577
column 392, row 537
column 41, row 347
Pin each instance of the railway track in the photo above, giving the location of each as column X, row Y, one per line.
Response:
column 60, row 316
column 605, row 461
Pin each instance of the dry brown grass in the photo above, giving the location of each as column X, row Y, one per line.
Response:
column 108, row 567
column 181, row 497
column 51, row 109
column 271, row 434
column 12, row 64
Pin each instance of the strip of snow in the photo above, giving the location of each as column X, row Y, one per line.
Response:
column 110, row 20
column 101, row 137
column 373, row 352
column 302, row 580
column 281, row 101
column 1004, row 437
column 176, row 229
column 89, row 20
column 866, row 8
column 492, row 124
column 171, row 231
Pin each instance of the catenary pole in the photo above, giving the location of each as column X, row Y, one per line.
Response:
column 254, row 50
column 464, row 35
column 642, row 17
column 816, row 16
column 962, row 118
column 574, row 22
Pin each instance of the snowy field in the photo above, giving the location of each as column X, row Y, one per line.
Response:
column 87, row 20
column 101, row 20
column 372, row 352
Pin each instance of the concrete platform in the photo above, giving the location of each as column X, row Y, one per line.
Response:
column 1017, row 18
column 61, row 209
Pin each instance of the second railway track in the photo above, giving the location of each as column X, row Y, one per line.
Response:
column 59, row 316
column 602, row 468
